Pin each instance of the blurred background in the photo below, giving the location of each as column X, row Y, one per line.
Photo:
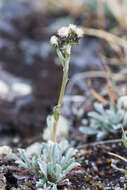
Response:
column 30, row 73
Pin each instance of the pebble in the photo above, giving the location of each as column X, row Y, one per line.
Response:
column 12, row 87
column 122, row 102
column 3, row 89
column 99, row 186
column 21, row 88
column 6, row 150
column 122, row 179
column 2, row 182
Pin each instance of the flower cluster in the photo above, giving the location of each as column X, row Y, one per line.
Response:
column 67, row 35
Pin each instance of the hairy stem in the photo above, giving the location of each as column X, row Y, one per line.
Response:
column 57, row 109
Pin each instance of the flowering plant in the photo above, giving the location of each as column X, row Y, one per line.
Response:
column 65, row 38
column 52, row 161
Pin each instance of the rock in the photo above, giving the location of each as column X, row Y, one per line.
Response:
column 2, row 182
column 4, row 90
column 6, row 150
column 21, row 89
column 12, row 87
column 32, row 149
column 122, row 102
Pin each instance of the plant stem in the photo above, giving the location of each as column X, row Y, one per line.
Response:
column 57, row 109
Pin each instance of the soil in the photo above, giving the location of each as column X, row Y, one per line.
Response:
column 26, row 56
column 95, row 172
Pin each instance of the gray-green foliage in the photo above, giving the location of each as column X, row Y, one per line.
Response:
column 51, row 163
column 104, row 121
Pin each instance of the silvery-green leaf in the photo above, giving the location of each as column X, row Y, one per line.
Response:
column 24, row 157
column 48, row 131
column 13, row 156
column 50, row 168
column 60, row 177
column 95, row 124
column 62, row 162
column 17, row 160
column 63, row 145
column 70, row 153
column 65, row 163
column 45, row 150
column 95, row 115
column 62, row 59
column 88, row 130
column 59, row 154
column 99, row 107
column 53, row 154
column 34, row 161
column 125, row 120
column 50, row 121
column 106, row 128
column 39, row 150
column 72, row 166
column 58, row 172
column 43, row 168
column 21, row 164
column 69, row 162
column 112, row 107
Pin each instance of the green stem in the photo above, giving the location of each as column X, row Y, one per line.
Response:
column 57, row 109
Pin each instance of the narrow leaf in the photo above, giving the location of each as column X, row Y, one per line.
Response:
column 88, row 130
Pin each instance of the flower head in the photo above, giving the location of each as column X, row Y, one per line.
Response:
column 63, row 32
column 67, row 31
column 67, row 35
column 54, row 40
column 75, row 30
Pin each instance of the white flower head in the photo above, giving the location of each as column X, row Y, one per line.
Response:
column 54, row 40
column 67, row 31
column 73, row 27
column 67, row 36
column 63, row 32
column 78, row 30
